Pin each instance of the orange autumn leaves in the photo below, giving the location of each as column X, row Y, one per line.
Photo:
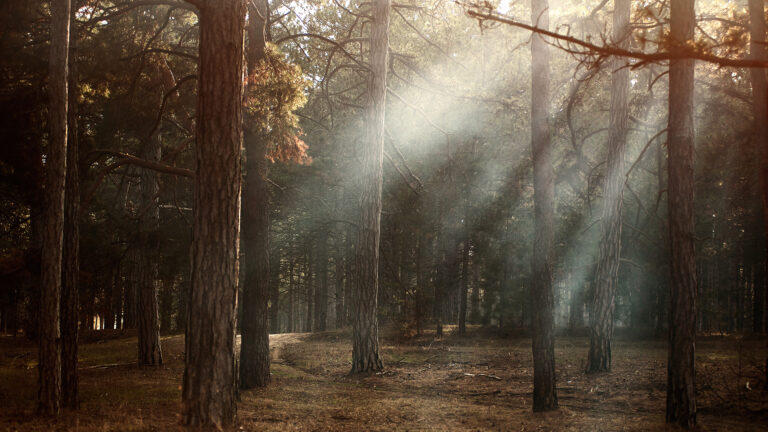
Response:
column 275, row 89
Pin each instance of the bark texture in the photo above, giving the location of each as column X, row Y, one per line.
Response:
column 52, row 229
column 759, row 51
column 209, row 384
column 542, row 296
column 606, row 275
column 365, row 327
column 71, row 247
column 681, row 398
column 254, row 351
column 149, row 350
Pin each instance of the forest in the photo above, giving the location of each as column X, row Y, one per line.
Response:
column 383, row 215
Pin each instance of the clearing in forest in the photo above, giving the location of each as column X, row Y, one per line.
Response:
column 479, row 382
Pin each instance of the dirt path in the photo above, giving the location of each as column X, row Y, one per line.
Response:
column 479, row 382
column 277, row 342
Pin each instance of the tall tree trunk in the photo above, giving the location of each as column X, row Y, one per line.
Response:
column 402, row 254
column 131, row 290
column 36, row 199
column 339, row 276
column 464, row 280
column 440, row 280
column 681, row 388
column 310, row 281
column 420, row 282
column 349, row 266
column 606, row 277
column 474, row 308
column 662, row 259
column 70, row 304
column 365, row 326
column 209, row 384
column 49, row 396
column 542, row 296
column 759, row 51
column 759, row 299
column 182, row 302
column 148, row 317
column 275, row 274
column 109, row 300
column 321, row 290
column 291, row 298
column 254, row 350
column 166, row 305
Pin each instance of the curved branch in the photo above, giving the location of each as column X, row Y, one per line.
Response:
column 610, row 50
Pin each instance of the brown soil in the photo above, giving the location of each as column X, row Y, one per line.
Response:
column 477, row 382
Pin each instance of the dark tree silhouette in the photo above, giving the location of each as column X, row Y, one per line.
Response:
column 70, row 303
column 542, row 296
column 150, row 351
column 209, row 385
column 52, row 229
column 681, row 384
column 254, row 351
column 759, row 51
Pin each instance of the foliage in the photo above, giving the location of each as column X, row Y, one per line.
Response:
column 276, row 89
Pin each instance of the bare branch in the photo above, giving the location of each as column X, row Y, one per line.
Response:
column 606, row 50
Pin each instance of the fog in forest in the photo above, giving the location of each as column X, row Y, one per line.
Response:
column 384, row 215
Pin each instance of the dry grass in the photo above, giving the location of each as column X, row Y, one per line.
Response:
column 478, row 382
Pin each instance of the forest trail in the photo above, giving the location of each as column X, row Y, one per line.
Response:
column 277, row 342
column 478, row 382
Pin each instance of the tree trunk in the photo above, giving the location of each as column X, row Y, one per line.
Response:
column 349, row 274
column 321, row 291
column 440, row 281
column 542, row 296
column 759, row 299
column 166, row 305
column 208, row 394
column 36, row 199
column 662, row 259
column 109, row 300
column 291, row 298
column 474, row 309
column 365, row 326
column 254, row 350
column 759, row 51
column 49, row 396
column 402, row 254
column 308, row 318
column 681, row 397
column 148, row 317
column 131, row 290
column 420, row 282
column 606, row 276
column 275, row 276
column 70, row 304
column 464, row 281
column 576, row 311
column 339, row 276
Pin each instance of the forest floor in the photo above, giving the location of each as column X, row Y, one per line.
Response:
column 480, row 381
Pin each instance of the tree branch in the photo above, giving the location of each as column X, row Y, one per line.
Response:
column 683, row 52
